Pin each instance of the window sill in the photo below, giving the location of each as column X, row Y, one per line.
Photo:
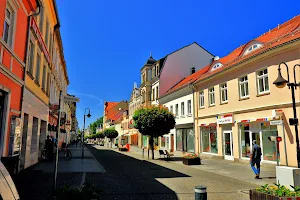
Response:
column 226, row 102
column 263, row 94
column 37, row 83
column 212, row 105
column 30, row 75
column 202, row 107
column 244, row 98
column 189, row 115
column 182, row 116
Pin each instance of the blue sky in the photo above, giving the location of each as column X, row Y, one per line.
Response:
column 106, row 42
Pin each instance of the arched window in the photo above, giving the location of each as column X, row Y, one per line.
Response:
column 252, row 48
column 216, row 66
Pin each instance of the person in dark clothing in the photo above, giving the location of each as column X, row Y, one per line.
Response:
column 49, row 147
column 255, row 159
column 77, row 141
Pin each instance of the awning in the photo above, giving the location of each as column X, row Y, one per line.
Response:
column 264, row 119
column 210, row 124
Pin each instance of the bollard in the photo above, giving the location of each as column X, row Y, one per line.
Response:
column 200, row 192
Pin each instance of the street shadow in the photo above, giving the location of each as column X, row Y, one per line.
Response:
column 268, row 177
column 130, row 178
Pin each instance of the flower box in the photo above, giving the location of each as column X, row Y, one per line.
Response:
column 191, row 161
column 255, row 195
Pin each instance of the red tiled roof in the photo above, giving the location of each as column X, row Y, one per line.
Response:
column 110, row 105
column 117, row 115
column 286, row 32
column 283, row 33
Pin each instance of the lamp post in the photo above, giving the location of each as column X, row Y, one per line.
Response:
column 88, row 115
column 280, row 82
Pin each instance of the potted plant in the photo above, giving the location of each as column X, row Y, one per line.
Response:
column 191, row 159
column 274, row 192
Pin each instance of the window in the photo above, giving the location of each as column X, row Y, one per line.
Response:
column 153, row 94
column 176, row 109
column 209, row 139
column 201, row 99
column 50, row 43
column 243, row 85
column 262, row 81
column 216, row 66
column 171, row 109
column 8, row 26
column 252, row 48
column 223, row 91
column 156, row 92
column 189, row 103
column 37, row 70
column 44, row 78
column 47, row 34
column 41, row 19
column 211, row 96
column 31, row 57
column 182, row 108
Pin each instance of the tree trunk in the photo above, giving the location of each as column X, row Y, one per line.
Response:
column 151, row 141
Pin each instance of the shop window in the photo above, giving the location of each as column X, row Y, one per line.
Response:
column 179, row 140
column 262, row 81
column 163, row 142
column 209, row 139
column 243, row 86
column 269, row 148
column 211, row 96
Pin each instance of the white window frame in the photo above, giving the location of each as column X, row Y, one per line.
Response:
column 210, row 95
column 189, row 107
column 201, row 99
column 11, row 22
column 177, row 110
column 216, row 66
column 171, row 109
column 182, row 110
column 252, row 48
column 246, row 85
column 263, row 77
column 223, row 91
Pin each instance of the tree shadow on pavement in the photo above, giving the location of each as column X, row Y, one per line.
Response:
column 130, row 178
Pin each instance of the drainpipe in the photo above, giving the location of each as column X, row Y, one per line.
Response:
column 194, row 117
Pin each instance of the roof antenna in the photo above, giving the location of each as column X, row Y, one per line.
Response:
column 278, row 26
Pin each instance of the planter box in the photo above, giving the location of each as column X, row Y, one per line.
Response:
column 195, row 161
column 254, row 195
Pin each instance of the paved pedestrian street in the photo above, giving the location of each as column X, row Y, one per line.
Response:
column 128, row 176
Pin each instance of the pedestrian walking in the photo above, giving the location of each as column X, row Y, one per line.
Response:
column 49, row 147
column 77, row 141
column 255, row 159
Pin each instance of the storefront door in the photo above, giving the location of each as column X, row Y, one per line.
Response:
column 228, row 145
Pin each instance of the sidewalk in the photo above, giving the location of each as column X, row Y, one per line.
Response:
column 239, row 171
column 36, row 182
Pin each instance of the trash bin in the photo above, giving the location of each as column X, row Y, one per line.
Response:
column 11, row 164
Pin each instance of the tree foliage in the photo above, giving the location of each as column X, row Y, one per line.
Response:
column 153, row 121
column 110, row 133
column 97, row 135
column 96, row 124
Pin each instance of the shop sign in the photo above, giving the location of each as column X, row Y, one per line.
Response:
column 225, row 120
column 40, row 39
column 277, row 113
column 276, row 122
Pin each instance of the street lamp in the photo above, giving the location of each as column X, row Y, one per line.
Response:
column 88, row 115
column 280, row 82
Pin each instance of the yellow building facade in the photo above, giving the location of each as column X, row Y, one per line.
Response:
column 236, row 102
column 35, row 105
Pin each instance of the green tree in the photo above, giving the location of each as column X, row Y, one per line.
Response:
column 96, row 124
column 110, row 133
column 100, row 135
column 153, row 121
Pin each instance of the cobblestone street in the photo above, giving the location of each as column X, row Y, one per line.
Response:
column 130, row 177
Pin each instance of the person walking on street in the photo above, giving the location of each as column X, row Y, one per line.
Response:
column 49, row 147
column 76, row 141
column 255, row 159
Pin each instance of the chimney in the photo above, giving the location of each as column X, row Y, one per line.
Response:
column 192, row 70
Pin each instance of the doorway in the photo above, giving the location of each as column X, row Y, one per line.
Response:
column 228, row 145
column 172, row 142
column 24, row 142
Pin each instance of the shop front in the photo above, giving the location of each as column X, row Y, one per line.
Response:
column 225, row 122
column 185, row 139
column 209, row 138
column 258, row 131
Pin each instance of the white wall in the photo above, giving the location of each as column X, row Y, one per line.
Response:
column 186, row 118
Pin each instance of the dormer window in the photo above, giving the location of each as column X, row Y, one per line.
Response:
column 252, row 48
column 216, row 66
